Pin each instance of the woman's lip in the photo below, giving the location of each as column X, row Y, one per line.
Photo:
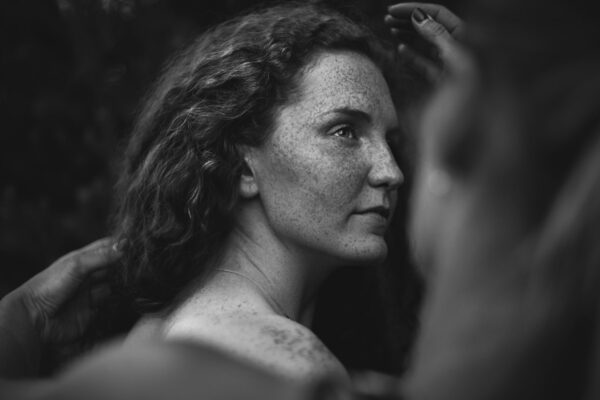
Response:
column 380, row 210
column 376, row 220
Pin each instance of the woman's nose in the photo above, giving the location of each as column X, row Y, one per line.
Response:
column 384, row 168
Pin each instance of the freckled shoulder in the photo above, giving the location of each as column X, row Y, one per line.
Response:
column 297, row 346
column 282, row 346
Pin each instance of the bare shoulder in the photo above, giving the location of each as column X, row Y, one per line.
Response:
column 294, row 344
column 283, row 346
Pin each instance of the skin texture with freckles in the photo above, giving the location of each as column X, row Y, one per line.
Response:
column 313, row 182
column 316, row 196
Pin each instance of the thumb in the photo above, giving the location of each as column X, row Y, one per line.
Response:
column 430, row 29
column 451, row 53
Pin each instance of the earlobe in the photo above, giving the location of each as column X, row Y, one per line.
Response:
column 248, row 186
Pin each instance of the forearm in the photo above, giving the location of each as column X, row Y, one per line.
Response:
column 19, row 342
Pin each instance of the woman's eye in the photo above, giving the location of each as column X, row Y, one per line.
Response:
column 345, row 132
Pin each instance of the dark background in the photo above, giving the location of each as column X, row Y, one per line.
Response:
column 73, row 73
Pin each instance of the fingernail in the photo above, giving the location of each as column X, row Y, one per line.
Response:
column 419, row 15
column 394, row 31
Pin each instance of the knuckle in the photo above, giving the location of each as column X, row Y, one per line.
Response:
column 36, row 305
column 436, row 28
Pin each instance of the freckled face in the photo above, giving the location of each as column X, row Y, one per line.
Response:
column 327, row 178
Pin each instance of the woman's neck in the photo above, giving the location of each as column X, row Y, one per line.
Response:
column 285, row 274
column 259, row 271
column 288, row 278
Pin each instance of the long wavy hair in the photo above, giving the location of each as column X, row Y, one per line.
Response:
column 180, row 172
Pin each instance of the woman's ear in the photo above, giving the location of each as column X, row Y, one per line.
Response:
column 248, row 184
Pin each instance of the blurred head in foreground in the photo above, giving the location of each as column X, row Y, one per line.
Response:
column 505, row 208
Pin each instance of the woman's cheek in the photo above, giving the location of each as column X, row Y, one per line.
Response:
column 318, row 180
column 340, row 175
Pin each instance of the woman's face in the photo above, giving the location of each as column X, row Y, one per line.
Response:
column 326, row 176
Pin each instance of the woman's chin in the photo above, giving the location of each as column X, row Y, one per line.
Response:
column 366, row 251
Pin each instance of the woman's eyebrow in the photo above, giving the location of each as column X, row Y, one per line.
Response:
column 366, row 117
column 351, row 112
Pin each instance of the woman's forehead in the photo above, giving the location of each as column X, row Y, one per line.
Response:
column 342, row 79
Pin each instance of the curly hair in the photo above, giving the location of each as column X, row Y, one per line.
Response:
column 182, row 163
